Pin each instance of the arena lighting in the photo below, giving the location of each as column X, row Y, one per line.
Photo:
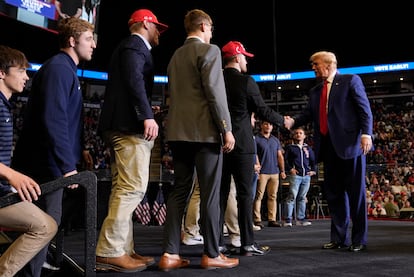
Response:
column 382, row 68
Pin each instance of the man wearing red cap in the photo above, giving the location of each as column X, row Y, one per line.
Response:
column 233, row 48
column 127, row 124
column 244, row 98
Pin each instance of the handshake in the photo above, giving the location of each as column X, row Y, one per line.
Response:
column 289, row 122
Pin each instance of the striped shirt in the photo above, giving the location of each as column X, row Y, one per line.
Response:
column 6, row 138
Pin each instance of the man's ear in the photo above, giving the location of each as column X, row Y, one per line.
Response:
column 146, row 24
column 72, row 42
column 237, row 58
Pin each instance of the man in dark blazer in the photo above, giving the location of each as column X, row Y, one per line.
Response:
column 198, row 132
column 244, row 98
column 127, row 123
column 342, row 148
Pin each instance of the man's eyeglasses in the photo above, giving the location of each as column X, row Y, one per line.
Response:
column 208, row 24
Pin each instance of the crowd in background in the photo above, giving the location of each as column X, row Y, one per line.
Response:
column 390, row 174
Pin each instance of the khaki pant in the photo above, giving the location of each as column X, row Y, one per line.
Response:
column 231, row 214
column 38, row 230
column 270, row 183
column 130, row 163
column 192, row 215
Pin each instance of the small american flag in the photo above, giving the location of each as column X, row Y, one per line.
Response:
column 143, row 211
column 159, row 209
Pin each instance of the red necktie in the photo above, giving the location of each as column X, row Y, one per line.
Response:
column 323, row 118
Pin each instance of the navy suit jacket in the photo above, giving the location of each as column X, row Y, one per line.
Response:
column 129, row 88
column 349, row 115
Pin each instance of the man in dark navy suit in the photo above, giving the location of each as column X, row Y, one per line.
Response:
column 127, row 123
column 341, row 144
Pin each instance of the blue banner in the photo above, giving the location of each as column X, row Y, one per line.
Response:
column 267, row 77
column 35, row 6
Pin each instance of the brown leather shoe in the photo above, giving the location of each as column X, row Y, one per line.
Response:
column 219, row 262
column 145, row 259
column 168, row 262
column 120, row 264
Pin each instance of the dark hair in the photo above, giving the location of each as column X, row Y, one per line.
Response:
column 10, row 57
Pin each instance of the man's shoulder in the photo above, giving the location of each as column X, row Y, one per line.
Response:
column 132, row 42
column 259, row 136
column 290, row 146
column 346, row 77
column 274, row 137
column 231, row 72
column 59, row 60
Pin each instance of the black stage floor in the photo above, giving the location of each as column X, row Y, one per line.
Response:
column 295, row 251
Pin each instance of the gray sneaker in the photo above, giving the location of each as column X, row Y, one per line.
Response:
column 287, row 224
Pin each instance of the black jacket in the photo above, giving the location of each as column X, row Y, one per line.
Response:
column 244, row 98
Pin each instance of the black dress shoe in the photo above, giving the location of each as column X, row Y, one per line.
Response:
column 224, row 250
column 254, row 250
column 333, row 245
column 233, row 249
column 357, row 247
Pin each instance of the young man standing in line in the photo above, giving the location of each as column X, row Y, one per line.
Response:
column 51, row 143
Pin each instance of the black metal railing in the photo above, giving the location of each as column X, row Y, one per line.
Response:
column 88, row 180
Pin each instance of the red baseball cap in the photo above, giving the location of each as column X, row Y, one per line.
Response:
column 144, row 14
column 232, row 48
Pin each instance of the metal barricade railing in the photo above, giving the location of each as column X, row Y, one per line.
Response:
column 88, row 180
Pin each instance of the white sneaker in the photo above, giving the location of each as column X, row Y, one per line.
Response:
column 235, row 240
column 50, row 267
column 287, row 224
column 256, row 228
column 196, row 240
column 303, row 223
